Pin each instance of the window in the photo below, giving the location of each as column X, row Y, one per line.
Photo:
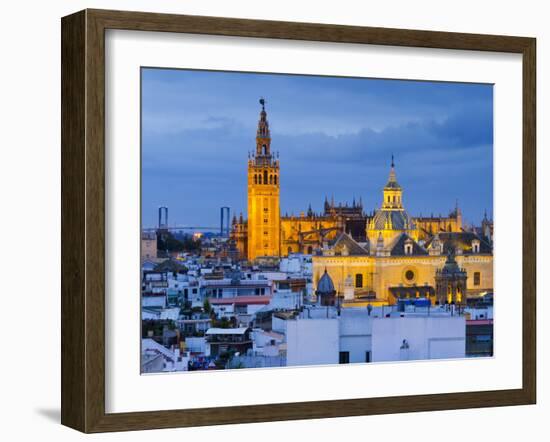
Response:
column 265, row 220
column 265, row 209
column 409, row 275
column 408, row 248
column 255, row 179
column 194, row 291
column 367, row 356
column 358, row 280
column 259, row 179
column 275, row 180
column 266, row 232
column 265, row 176
column 477, row 278
column 344, row 357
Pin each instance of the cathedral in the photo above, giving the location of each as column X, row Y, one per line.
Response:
column 378, row 256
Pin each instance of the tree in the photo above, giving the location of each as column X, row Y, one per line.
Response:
column 206, row 306
column 168, row 242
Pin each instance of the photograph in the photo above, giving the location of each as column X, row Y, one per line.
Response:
column 299, row 220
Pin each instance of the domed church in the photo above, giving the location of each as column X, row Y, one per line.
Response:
column 391, row 220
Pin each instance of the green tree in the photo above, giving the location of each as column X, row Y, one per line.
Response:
column 206, row 306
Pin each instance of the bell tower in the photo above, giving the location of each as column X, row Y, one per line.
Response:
column 392, row 193
column 264, row 219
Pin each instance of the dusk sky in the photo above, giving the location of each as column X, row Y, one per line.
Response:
column 335, row 136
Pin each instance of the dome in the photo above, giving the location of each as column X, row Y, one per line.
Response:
column 451, row 267
column 393, row 220
column 325, row 286
column 392, row 184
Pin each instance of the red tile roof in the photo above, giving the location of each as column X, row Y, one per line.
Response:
column 241, row 300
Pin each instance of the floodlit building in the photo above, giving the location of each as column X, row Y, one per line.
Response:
column 266, row 232
column 394, row 263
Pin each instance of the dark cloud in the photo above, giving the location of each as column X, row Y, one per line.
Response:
column 194, row 158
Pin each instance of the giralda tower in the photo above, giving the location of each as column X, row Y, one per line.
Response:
column 264, row 216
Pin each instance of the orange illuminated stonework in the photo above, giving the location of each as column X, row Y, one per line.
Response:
column 265, row 232
column 264, row 216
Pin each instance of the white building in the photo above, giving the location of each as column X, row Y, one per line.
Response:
column 296, row 264
column 418, row 337
column 196, row 345
column 321, row 336
column 148, row 313
column 312, row 341
column 173, row 359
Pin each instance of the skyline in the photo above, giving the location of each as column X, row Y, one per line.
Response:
column 335, row 136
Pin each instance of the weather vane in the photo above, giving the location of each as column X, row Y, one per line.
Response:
column 262, row 101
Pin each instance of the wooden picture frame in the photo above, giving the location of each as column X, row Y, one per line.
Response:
column 83, row 220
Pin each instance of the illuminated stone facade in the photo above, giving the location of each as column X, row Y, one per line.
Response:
column 397, row 261
column 265, row 233
column 264, row 216
column 386, row 255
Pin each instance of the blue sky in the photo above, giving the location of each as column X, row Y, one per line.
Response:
column 335, row 136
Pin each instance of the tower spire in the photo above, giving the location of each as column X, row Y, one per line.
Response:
column 263, row 236
column 263, row 124
column 263, row 136
column 392, row 178
column 392, row 191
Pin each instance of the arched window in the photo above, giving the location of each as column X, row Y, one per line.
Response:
column 309, row 250
column 275, row 179
column 265, row 176
column 394, row 198
column 388, row 198
column 255, row 179
column 260, row 179
column 270, row 179
column 358, row 280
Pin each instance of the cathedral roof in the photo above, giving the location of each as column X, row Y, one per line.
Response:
column 462, row 241
column 345, row 242
column 398, row 247
column 392, row 220
column 325, row 286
